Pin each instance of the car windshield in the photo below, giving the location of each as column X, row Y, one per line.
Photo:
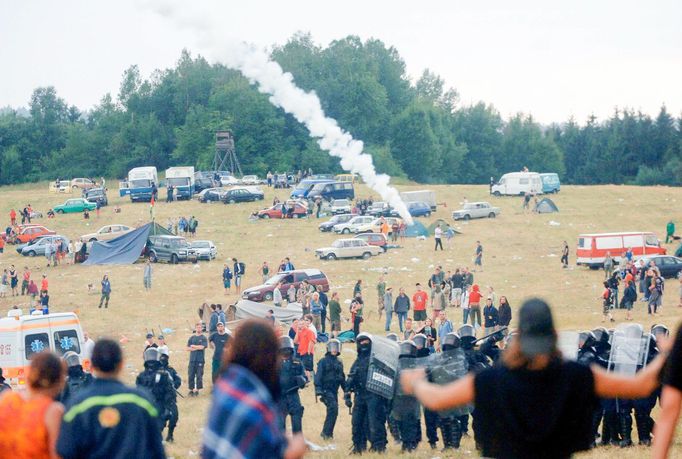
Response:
column 181, row 242
column 95, row 193
column 177, row 181
column 140, row 183
column 275, row 279
column 341, row 202
column 200, row 244
column 337, row 244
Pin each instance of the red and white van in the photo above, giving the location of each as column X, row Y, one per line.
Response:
column 592, row 248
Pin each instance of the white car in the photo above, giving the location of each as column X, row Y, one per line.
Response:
column 375, row 225
column 476, row 210
column 228, row 180
column 106, row 233
column 205, row 250
column 348, row 248
column 350, row 225
column 340, row 206
column 251, row 180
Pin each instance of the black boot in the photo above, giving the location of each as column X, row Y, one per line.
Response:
column 625, row 429
column 169, row 436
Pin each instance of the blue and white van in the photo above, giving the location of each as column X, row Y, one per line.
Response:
column 550, row 182
column 305, row 185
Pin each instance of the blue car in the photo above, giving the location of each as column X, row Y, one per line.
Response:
column 416, row 209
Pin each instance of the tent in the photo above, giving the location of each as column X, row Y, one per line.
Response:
column 123, row 250
column 443, row 225
column 246, row 309
column 416, row 229
column 546, row 206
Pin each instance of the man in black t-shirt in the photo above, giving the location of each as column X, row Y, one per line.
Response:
column 196, row 345
column 671, row 400
column 217, row 341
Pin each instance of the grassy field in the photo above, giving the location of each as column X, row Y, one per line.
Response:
column 522, row 254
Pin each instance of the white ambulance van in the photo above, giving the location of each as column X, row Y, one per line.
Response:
column 22, row 336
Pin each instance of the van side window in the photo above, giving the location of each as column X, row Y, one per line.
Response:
column 651, row 240
column 523, row 181
column 36, row 343
column 65, row 341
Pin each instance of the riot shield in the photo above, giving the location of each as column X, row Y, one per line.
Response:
column 383, row 367
column 444, row 368
column 629, row 349
column 405, row 406
column 569, row 343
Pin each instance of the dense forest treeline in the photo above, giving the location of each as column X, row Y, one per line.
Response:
column 417, row 130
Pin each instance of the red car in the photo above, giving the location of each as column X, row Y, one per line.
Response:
column 377, row 239
column 275, row 211
column 264, row 292
column 29, row 233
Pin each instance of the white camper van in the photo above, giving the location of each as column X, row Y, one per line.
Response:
column 518, row 183
column 22, row 336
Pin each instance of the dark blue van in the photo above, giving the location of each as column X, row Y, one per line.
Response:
column 332, row 190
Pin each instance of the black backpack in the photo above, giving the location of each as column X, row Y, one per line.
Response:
column 242, row 268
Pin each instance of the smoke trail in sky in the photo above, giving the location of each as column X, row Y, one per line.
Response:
column 255, row 64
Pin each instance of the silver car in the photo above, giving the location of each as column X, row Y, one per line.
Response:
column 476, row 210
column 348, row 248
column 206, row 250
column 37, row 246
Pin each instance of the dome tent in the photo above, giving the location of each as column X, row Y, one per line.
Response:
column 443, row 225
column 546, row 206
column 416, row 229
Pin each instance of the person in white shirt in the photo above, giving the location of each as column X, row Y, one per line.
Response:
column 88, row 346
column 277, row 295
column 438, row 233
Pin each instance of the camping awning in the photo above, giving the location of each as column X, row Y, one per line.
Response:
column 124, row 250
column 252, row 310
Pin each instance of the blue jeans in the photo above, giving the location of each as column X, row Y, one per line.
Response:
column 389, row 316
column 402, row 316
column 465, row 315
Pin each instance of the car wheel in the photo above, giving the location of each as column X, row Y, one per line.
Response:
column 497, row 193
column 331, row 256
column 366, row 255
column 265, row 216
column 345, row 231
column 467, row 217
column 93, row 239
column 31, row 253
column 267, row 296
column 491, row 215
column 74, row 187
column 428, row 214
column 174, row 259
column 153, row 258
column 60, row 211
column 231, row 201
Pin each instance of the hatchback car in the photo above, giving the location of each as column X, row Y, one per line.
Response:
column 29, row 233
column 416, row 209
column 264, row 291
column 352, row 224
column 299, row 211
column 375, row 225
column 668, row 265
column 206, row 250
column 251, row 180
column 335, row 220
column 348, row 248
column 82, row 183
column 75, row 205
column 211, row 195
column 172, row 249
column 106, row 233
column 37, row 246
column 476, row 210
column 340, row 206
column 379, row 209
column 377, row 239
column 97, row 195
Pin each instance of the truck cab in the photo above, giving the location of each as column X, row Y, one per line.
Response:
column 182, row 180
column 141, row 182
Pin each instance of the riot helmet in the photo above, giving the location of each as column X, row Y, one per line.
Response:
column 392, row 337
column 286, row 346
column 467, row 336
column 451, row 342
column 419, row 340
column 334, row 346
column 408, row 349
column 72, row 359
column 163, row 351
column 363, row 343
column 660, row 329
column 587, row 339
column 151, row 355
column 601, row 337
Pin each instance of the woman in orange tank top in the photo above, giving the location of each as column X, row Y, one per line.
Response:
column 30, row 420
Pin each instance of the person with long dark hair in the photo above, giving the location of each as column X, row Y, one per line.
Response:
column 535, row 404
column 243, row 418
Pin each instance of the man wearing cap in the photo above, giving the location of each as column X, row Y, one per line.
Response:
column 217, row 342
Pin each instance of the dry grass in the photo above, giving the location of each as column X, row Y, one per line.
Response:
column 521, row 259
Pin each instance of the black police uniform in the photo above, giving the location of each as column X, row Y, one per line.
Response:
column 291, row 379
column 369, row 410
column 328, row 379
column 409, row 424
column 430, row 417
column 173, row 412
column 476, row 361
column 159, row 384
column 76, row 380
column 643, row 406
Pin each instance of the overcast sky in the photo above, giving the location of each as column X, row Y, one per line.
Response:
column 551, row 59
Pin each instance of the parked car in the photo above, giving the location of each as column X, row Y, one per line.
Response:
column 281, row 181
column 375, row 225
column 264, row 291
column 668, row 265
column 348, row 248
column 379, row 209
column 416, row 209
column 172, row 249
column 38, row 245
column 300, row 210
column 203, row 181
column 253, row 189
column 211, row 195
column 239, row 195
column 340, row 206
column 335, row 220
column 476, row 210
column 377, row 239
column 331, row 190
column 75, row 205
column 349, row 226
column 251, row 180
column 227, row 180
column 106, row 233
column 28, row 233
column 97, row 195
column 206, row 250
column 82, row 183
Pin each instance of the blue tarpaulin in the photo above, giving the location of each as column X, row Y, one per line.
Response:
column 123, row 250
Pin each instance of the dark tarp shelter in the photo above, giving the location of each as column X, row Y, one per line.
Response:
column 546, row 206
column 416, row 229
column 123, row 250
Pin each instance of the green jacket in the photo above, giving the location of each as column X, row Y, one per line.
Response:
column 670, row 229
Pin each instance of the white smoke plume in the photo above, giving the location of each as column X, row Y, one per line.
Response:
column 255, row 64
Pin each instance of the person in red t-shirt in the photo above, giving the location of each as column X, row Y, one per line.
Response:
column 305, row 340
column 607, row 303
column 419, row 300
column 475, row 305
column 13, row 217
column 43, row 284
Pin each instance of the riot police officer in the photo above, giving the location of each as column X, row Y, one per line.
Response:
column 76, row 377
column 173, row 413
column 328, row 379
column 475, row 359
column 292, row 378
column 405, row 408
column 369, row 409
column 609, row 414
column 392, row 422
column 449, row 424
column 156, row 381
column 643, row 406
column 430, row 417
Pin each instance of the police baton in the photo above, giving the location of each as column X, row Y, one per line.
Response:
column 178, row 392
column 492, row 334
